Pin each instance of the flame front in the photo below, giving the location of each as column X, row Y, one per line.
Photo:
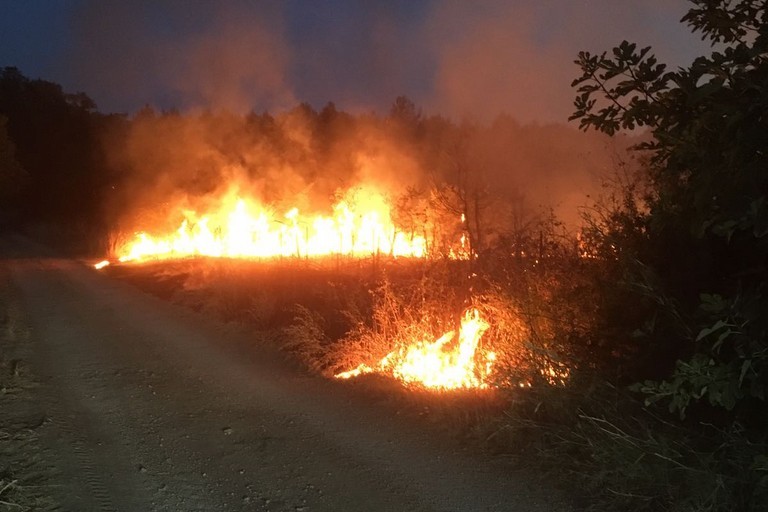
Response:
column 245, row 229
column 435, row 364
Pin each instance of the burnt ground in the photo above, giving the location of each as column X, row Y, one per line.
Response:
column 114, row 399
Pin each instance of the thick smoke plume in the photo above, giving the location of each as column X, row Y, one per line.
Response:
column 169, row 164
column 500, row 70
column 179, row 54
column 516, row 57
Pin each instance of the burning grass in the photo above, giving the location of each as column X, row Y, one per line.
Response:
column 536, row 404
column 408, row 319
column 536, row 400
column 450, row 362
column 544, row 402
column 359, row 224
column 419, row 335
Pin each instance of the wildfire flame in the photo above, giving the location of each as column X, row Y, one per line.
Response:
column 435, row 364
column 243, row 228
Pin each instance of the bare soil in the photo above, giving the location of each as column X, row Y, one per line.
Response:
column 131, row 403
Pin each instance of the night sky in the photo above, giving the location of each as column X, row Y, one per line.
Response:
column 456, row 58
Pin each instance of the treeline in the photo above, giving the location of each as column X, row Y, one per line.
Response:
column 52, row 170
column 686, row 244
column 69, row 165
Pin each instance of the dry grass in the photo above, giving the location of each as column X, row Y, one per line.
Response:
column 603, row 446
column 549, row 310
column 612, row 453
column 333, row 315
column 23, row 486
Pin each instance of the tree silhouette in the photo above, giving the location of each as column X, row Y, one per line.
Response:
column 705, row 236
column 12, row 174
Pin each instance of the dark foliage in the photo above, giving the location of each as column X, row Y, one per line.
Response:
column 691, row 252
column 55, row 135
column 704, row 247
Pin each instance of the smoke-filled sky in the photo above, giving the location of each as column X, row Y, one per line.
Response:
column 452, row 57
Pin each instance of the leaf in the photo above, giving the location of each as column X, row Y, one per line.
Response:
column 712, row 303
column 720, row 340
column 706, row 90
column 725, row 228
column 745, row 366
column 757, row 390
column 728, row 400
column 709, row 330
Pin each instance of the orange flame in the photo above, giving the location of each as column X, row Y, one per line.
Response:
column 245, row 229
column 433, row 365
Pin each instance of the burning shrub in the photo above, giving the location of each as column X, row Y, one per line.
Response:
column 417, row 330
column 524, row 340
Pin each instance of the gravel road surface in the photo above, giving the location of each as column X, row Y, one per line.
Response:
column 147, row 407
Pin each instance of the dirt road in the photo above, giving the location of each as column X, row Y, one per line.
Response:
column 146, row 408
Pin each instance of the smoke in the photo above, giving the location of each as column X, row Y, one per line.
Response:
column 517, row 57
column 236, row 63
column 489, row 62
column 171, row 163
column 181, row 54
column 461, row 59
column 531, row 170
column 218, row 61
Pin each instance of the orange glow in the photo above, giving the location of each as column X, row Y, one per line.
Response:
column 359, row 225
column 437, row 364
column 555, row 374
column 100, row 265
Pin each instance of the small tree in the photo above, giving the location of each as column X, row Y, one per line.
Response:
column 705, row 250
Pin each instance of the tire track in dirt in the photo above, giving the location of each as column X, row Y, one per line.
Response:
column 72, row 396
column 105, row 401
column 24, row 476
column 122, row 383
column 164, row 418
column 84, row 457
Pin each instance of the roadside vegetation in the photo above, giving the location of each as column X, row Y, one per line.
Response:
column 631, row 351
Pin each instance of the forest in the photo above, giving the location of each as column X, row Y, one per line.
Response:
column 621, row 268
